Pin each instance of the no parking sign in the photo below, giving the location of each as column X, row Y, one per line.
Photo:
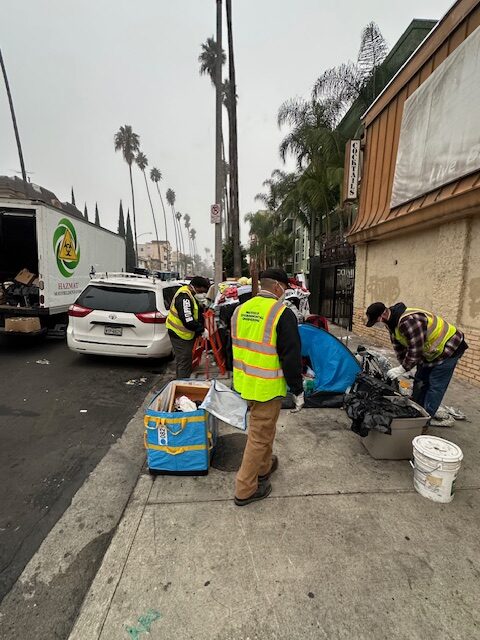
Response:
column 215, row 214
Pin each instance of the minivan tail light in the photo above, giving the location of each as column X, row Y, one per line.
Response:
column 77, row 311
column 151, row 317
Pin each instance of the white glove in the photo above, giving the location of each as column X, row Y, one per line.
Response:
column 396, row 372
column 299, row 402
column 205, row 334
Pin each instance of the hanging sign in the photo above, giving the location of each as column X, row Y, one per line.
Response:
column 352, row 170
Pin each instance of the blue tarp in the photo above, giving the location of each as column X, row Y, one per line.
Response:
column 334, row 365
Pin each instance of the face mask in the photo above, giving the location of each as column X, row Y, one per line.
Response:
column 282, row 297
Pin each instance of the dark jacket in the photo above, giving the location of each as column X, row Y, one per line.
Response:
column 289, row 351
column 184, row 307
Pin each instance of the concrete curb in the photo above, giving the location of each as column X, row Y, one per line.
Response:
column 96, row 605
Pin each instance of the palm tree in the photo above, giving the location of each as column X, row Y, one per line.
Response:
column 208, row 62
column 193, row 235
column 208, row 251
column 231, row 104
column 356, row 81
column 14, row 119
column 319, row 151
column 261, row 231
column 156, row 176
column 208, row 58
column 171, row 197
column 142, row 164
column 186, row 220
column 128, row 142
column 178, row 217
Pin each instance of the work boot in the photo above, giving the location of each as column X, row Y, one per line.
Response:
column 273, row 468
column 263, row 491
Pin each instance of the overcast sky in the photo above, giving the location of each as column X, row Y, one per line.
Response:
column 79, row 70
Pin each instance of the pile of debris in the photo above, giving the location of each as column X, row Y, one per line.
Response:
column 22, row 291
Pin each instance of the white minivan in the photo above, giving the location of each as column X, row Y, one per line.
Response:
column 122, row 314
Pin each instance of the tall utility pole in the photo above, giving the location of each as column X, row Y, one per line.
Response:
column 233, row 148
column 14, row 120
column 218, row 147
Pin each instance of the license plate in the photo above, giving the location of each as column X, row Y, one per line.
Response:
column 113, row 331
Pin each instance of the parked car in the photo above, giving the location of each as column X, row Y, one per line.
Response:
column 122, row 314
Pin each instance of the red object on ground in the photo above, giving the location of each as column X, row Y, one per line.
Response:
column 318, row 321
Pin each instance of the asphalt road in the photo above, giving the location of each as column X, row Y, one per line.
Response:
column 57, row 421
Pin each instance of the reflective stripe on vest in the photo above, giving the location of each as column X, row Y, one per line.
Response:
column 173, row 320
column 439, row 332
column 257, row 371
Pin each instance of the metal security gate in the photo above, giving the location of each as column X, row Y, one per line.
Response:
column 332, row 280
column 336, row 293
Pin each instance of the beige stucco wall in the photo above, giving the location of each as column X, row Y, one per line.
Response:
column 431, row 269
column 471, row 291
column 435, row 269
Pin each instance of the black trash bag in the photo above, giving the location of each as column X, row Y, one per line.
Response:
column 368, row 406
column 365, row 383
column 318, row 400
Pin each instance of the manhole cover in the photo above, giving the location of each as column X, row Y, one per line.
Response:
column 229, row 452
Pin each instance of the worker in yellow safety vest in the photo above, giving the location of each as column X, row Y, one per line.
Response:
column 266, row 358
column 185, row 323
column 423, row 340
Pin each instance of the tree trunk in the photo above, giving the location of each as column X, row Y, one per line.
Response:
column 180, row 231
column 154, row 221
column 233, row 149
column 218, row 147
column 165, row 220
column 227, row 219
column 311, row 248
column 175, row 230
column 14, row 119
column 134, row 215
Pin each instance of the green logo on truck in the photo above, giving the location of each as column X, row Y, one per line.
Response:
column 66, row 247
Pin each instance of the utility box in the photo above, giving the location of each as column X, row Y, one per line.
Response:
column 398, row 444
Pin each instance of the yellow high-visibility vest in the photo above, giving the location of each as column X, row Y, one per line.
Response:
column 173, row 321
column 439, row 332
column 257, row 372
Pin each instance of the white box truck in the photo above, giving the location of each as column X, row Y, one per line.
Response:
column 61, row 249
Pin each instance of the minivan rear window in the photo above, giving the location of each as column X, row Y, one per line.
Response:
column 168, row 293
column 105, row 298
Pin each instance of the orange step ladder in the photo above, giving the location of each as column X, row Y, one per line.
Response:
column 201, row 346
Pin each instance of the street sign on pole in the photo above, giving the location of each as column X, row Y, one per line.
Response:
column 216, row 214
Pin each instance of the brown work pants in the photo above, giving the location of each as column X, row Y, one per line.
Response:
column 257, row 457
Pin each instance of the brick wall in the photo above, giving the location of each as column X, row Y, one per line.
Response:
column 468, row 367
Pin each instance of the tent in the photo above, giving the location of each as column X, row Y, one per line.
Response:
column 334, row 365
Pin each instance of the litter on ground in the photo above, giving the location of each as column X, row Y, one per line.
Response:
column 136, row 381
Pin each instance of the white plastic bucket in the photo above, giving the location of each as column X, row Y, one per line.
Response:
column 437, row 463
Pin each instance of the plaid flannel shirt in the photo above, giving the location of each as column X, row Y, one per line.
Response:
column 414, row 328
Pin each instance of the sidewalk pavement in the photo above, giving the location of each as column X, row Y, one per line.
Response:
column 344, row 548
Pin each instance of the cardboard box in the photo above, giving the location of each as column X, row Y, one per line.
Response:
column 22, row 325
column 195, row 392
column 25, row 277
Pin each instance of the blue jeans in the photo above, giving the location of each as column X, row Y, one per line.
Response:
column 430, row 383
